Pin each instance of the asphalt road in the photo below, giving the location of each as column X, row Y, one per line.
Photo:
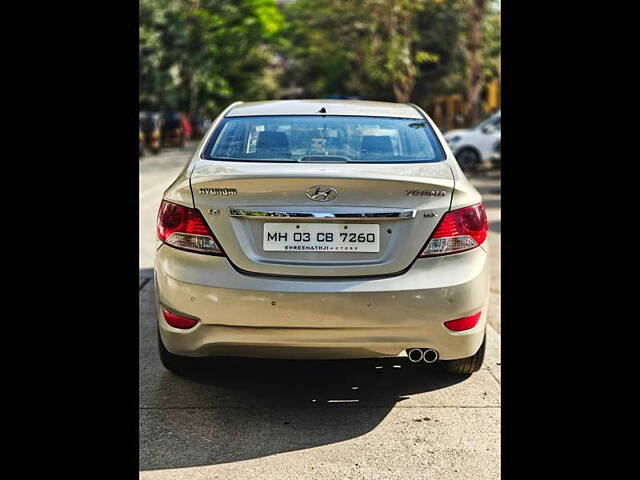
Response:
column 359, row 419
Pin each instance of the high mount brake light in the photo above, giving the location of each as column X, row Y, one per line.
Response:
column 459, row 230
column 183, row 227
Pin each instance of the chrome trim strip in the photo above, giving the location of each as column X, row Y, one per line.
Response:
column 391, row 215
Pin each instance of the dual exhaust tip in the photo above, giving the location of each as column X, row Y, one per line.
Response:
column 428, row 355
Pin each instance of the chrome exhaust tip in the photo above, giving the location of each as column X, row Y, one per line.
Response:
column 430, row 355
column 415, row 354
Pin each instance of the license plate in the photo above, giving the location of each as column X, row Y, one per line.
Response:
column 319, row 237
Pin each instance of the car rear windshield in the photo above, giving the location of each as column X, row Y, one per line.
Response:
column 306, row 138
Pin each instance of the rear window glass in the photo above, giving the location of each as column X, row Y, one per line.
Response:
column 300, row 138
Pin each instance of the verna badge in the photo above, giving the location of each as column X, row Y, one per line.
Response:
column 322, row 193
column 425, row 193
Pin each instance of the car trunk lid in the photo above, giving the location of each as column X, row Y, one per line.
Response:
column 401, row 203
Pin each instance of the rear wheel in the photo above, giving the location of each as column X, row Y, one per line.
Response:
column 468, row 159
column 464, row 366
column 176, row 363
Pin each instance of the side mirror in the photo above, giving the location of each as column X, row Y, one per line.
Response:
column 487, row 129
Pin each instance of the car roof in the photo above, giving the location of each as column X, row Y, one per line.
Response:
column 331, row 107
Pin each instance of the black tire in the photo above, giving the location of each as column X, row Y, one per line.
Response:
column 176, row 363
column 466, row 366
column 468, row 159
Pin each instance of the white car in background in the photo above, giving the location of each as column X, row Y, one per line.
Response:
column 474, row 147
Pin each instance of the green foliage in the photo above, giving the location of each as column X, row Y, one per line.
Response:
column 320, row 37
column 442, row 33
column 405, row 50
column 200, row 55
column 491, row 48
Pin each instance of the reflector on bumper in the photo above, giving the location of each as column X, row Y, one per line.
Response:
column 464, row 323
column 178, row 321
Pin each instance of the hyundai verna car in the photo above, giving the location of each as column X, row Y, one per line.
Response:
column 322, row 229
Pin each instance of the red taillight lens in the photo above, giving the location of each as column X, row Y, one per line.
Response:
column 178, row 321
column 459, row 230
column 184, row 228
column 464, row 323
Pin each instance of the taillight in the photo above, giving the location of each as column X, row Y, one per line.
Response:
column 177, row 320
column 183, row 227
column 459, row 230
column 464, row 323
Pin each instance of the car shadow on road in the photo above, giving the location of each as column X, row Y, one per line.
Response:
column 257, row 408
column 242, row 409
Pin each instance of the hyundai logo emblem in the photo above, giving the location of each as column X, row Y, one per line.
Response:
column 322, row 193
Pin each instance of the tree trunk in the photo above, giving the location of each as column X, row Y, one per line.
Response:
column 192, row 85
column 193, row 95
column 475, row 11
column 397, row 23
column 403, row 87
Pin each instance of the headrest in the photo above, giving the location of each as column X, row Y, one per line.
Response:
column 272, row 142
column 377, row 145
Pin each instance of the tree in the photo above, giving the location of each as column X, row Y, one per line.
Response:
column 441, row 31
column 378, row 49
column 197, row 55
column 322, row 46
column 475, row 11
column 152, row 15
column 391, row 56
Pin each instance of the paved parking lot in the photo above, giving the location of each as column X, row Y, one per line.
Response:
column 360, row 419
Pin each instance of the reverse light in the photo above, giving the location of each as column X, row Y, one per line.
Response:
column 178, row 321
column 464, row 323
column 458, row 231
column 183, row 227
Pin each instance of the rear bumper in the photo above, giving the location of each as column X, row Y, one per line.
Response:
column 258, row 316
